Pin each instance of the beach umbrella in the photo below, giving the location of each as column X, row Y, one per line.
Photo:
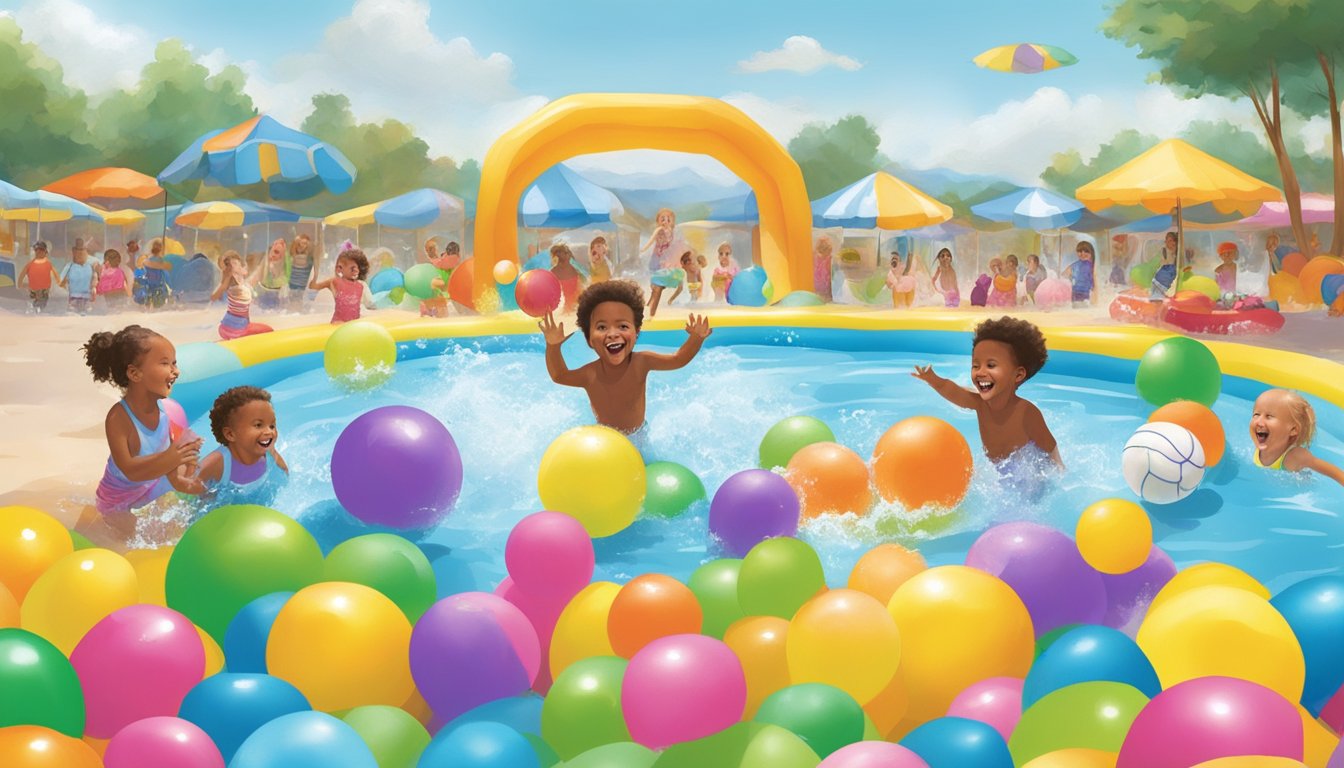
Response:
column 563, row 198
column 879, row 200
column 1032, row 208
column 293, row 164
column 222, row 214
column 413, row 210
column 1316, row 209
column 1025, row 58
column 1173, row 175
column 12, row 196
column 110, row 188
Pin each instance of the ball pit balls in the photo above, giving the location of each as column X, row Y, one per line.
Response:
column 1162, row 463
column 1053, row 292
column 802, row 299
column 920, row 461
column 778, row 576
column 648, row 607
column 681, row 688
column 582, row 711
column 1178, row 369
column 1084, row 654
column 1314, row 608
column 397, row 466
column 884, row 568
column 360, row 354
column 394, row 736
column 52, row 694
column 32, row 746
column 384, row 280
column 1313, row 274
column 1200, row 420
column 715, row 587
column 230, row 706
column 75, row 593
column 537, row 292
column 748, row 288
column 304, row 740
column 505, row 271
column 750, row 507
column 672, row 489
column 1200, row 284
column 1114, row 535
column 30, row 541
column 1331, row 286
column 1285, row 288
column 1092, row 715
column 160, row 742
column 1044, row 568
column 565, row 479
column 549, row 556
column 822, row 715
column 828, row 477
column 996, row 702
column 790, row 435
column 956, row 741
column 847, row 639
column 760, row 642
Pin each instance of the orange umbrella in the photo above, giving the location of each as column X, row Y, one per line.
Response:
column 111, row 188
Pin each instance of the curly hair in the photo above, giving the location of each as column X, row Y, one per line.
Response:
column 625, row 292
column 108, row 354
column 1023, row 337
column 230, row 401
column 357, row 256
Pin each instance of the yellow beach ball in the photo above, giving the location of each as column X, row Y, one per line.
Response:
column 1208, row 575
column 360, row 355
column 595, row 475
column 75, row 593
column 1115, row 535
column 847, row 639
column 30, row 541
column 581, row 630
column 759, row 642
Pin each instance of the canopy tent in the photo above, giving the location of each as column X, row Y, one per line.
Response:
column 562, row 198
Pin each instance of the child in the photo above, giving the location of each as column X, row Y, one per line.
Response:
column 691, row 278
column 668, row 275
column 945, row 280
column 1225, row 274
column 1004, row 293
column 299, row 265
column 610, row 315
column 237, row 321
column 147, row 460
column 347, row 285
column 1035, row 274
column 821, row 269
column 900, row 282
column 155, row 269
column 724, row 273
column 112, row 284
column 663, row 247
column 1004, row 354
column 1166, row 273
column 1082, row 272
column 77, row 278
column 437, row 306
column 39, row 273
column 1282, row 426
column 246, row 469
column 695, row 285
column 270, row 275
column 597, row 261
column 565, row 272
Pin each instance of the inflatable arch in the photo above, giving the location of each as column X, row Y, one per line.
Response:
column 605, row 122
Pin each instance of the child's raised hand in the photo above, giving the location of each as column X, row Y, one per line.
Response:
column 925, row 374
column 554, row 332
column 187, row 450
column 698, row 326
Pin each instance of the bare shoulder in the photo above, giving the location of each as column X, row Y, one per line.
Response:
column 1298, row 458
column 212, row 467
column 116, row 417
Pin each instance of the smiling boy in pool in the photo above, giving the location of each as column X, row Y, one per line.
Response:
column 610, row 314
column 1004, row 354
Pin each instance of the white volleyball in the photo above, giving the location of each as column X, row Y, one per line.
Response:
column 1163, row 462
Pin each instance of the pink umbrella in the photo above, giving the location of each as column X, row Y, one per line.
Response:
column 1316, row 209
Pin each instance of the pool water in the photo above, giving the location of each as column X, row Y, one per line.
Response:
column 503, row 411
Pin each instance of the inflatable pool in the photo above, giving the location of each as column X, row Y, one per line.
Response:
column 1192, row 315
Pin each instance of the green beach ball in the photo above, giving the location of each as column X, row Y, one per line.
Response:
column 789, row 436
column 419, row 281
column 672, row 489
column 1179, row 369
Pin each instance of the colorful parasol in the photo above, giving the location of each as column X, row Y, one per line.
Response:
column 562, row 197
column 223, row 214
column 413, row 210
column 1025, row 58
column 880, row 201
column 110, row 188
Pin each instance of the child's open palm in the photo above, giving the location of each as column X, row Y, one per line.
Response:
column 925, row 374
column 552, row 331
column 698, row 326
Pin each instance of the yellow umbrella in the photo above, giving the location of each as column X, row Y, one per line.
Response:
column 121, row 218
column 1172, row 175
column 879, row 201
column 354, row 218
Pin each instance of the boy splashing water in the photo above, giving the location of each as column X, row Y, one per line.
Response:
column 1004, row 354
column 610, row 314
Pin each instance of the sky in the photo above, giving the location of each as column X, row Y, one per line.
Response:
column 463, row 72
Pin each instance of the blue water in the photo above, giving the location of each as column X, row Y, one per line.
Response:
column 503, row 411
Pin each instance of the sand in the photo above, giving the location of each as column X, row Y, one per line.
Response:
column 52, row 446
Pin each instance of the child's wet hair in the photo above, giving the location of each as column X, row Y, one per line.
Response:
column 228, row 402
column 1023, row 337
column 360, row 260
column 109, row 354
column 625, row 292
column 1300, row 413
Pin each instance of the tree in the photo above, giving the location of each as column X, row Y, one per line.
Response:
column 836, row 155
column 1262, row 51
column 43, row 132
column 1068, row 171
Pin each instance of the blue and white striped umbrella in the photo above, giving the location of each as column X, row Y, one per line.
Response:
column 880, row 201
column 561, row 197
column 1032, row 208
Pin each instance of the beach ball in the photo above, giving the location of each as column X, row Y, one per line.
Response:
column 388, row 563
column 460, row 284
column 714, row 585
column 847, row 639
column 1141, row 276
column 920, row 461
column 1313, row 274
column 1331, row 286
column 549, row 555
column 1114, row 535
column 397, row 466
column 748, row 288
column 1286, row 289
column 304, row 740
column 828, row 477
column 801, row 299
column 873, row 754
column 386, row 279
column 418, row 281
column 759, row 642
column 1088, row 654
column 32, row 746
column 537, row 292
column 38, row 686
column 884, row 568
column 230, row 706
column 565, row 481
column 1128, row 595
column 583, row 708
column 1092, row 715
column 1053, row 292
column 996, row 702
column 234, row 555
column 743, row 745
column 822, row 715
column 778, row 576
column 671, row 489
column 1200, row 284
column 30, row 542
column 75, row 593
column 1200, row 420
column 392, row 734
column 1178, row 368
column 1208, row 718
column 1162, row 462
column 790, row 435
column 956, row 741
column 648, row 607
column 162, row 742
column 1045, row 569
column 505, row 271
column 1292, row 263
column 681, row 688
column 752, row 506
column 360, row 355
column 1314, row 608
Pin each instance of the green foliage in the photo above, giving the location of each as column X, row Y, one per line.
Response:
column 41, row 117
column 1068, row 171
column 836, row 155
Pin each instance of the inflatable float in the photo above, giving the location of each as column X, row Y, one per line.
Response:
column 1193, row 312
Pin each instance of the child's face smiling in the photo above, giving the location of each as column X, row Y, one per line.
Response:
column 156, row 370
column 251, row 430
column 994, row 370
column 1272, row 430
column 665, row 219
column 347, row 269
column 611, row 332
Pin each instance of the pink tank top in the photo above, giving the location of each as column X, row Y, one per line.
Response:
column 349, row 294
column 111, row 279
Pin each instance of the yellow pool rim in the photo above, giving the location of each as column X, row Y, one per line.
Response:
column 1275, row 367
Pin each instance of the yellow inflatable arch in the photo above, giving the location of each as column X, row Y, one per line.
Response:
column 605, row 122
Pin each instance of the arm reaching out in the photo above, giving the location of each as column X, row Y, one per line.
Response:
column 962, row 398
column 1305, row 459
column 315, row 284
column 555, row 336
column 697, row 330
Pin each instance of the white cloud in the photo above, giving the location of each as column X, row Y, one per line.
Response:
column 801, row 54
column 783, row 119
column 95, row 54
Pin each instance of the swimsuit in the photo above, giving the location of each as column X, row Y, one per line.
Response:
column 639, row 437
column 601, row 272
column 39, row 282
column 721, row 279
column 1082, row 271
column 1033, row 280
column 1162, row 281
column 237, row 322
column 299, row 275
column 952, row 298
column 1227, row 280
column 821, row 276
column 349, row 294
column 1278, row 464
column 154, row 283
column 110, row 280
column 117, row 493
column 569, row 286
column 1004, row 293
column 241, row 483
